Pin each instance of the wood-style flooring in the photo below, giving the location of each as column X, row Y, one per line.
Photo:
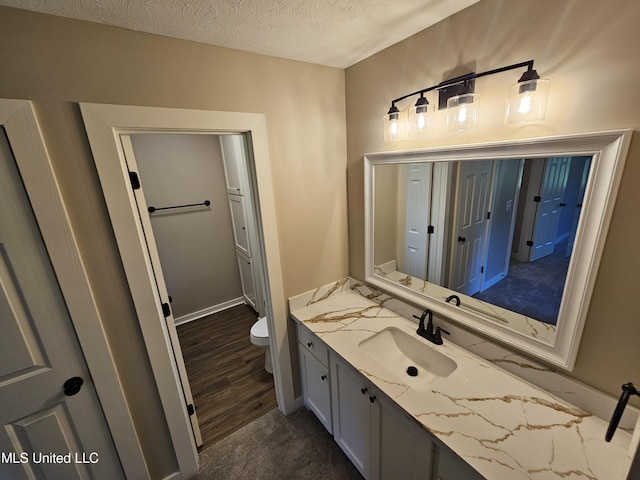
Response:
column 226, row 372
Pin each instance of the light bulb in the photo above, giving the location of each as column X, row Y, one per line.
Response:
column 462, row 114
column 393, row 128
column 419, row 117
column 525, row 104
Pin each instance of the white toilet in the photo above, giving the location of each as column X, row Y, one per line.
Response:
column 260, row 338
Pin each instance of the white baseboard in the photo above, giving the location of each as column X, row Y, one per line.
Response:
column 190, row 317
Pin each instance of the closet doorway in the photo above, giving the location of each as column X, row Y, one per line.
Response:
column 195, row 195
column 107, row 127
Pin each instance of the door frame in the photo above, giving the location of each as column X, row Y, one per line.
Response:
column 30, row 153
column 104, row 124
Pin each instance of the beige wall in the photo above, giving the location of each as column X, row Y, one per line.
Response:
column 57, row 62
column 196, row 245
column 588, row 48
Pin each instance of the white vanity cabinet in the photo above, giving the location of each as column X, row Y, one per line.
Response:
column 377, row 436
column 316, row 378
column 380, row 438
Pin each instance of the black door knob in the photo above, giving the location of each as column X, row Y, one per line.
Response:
column 72, row 386
column 462, row 239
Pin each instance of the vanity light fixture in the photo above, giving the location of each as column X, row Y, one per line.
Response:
column 527, row 102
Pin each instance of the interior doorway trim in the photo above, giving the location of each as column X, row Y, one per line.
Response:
column 20, row 123
column 105, row 124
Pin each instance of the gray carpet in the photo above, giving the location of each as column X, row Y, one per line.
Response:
column 277, row 447
column 533, row 289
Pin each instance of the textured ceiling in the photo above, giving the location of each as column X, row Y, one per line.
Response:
column 336, row 33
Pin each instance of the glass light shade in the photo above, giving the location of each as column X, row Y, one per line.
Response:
column 395, row 126
column 462, row 112
column 527, row 101
column 420, row 119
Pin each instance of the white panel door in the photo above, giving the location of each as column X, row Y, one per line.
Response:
column 39, row 352
column 470, row 225
column 169, row 322
column 418, row 213
column 549, row 208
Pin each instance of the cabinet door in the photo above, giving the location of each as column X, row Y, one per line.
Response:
column 351, row 405
column 233, row 156
column 246, row 278
column 451, row 467
column 316, row 389
column 236, row 204
column 400, row 448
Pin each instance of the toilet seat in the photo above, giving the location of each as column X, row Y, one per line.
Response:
column 260, row 332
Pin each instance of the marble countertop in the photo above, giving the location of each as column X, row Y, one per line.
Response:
column 501, row 425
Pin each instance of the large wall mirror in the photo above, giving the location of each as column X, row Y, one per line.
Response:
column 504, row 238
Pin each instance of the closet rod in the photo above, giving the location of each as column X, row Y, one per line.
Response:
column 155, row 209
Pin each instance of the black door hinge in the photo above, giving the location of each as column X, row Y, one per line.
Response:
column 488, row 215
column 135, row 180
column 430, row 229
column 529, row 243
column 190, row 409
column 537, row 198
column 166, row 311
column 482, row 269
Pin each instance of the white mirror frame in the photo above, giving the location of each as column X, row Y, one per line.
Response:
column 609, row 151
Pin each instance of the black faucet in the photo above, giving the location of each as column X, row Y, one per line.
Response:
column 428, row 333
column 453, row 297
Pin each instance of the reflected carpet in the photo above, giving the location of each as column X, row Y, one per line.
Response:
column 533, row 289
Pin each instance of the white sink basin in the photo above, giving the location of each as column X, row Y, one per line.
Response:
column 397, row 352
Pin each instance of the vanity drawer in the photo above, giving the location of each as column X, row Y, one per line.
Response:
column 312, row 343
